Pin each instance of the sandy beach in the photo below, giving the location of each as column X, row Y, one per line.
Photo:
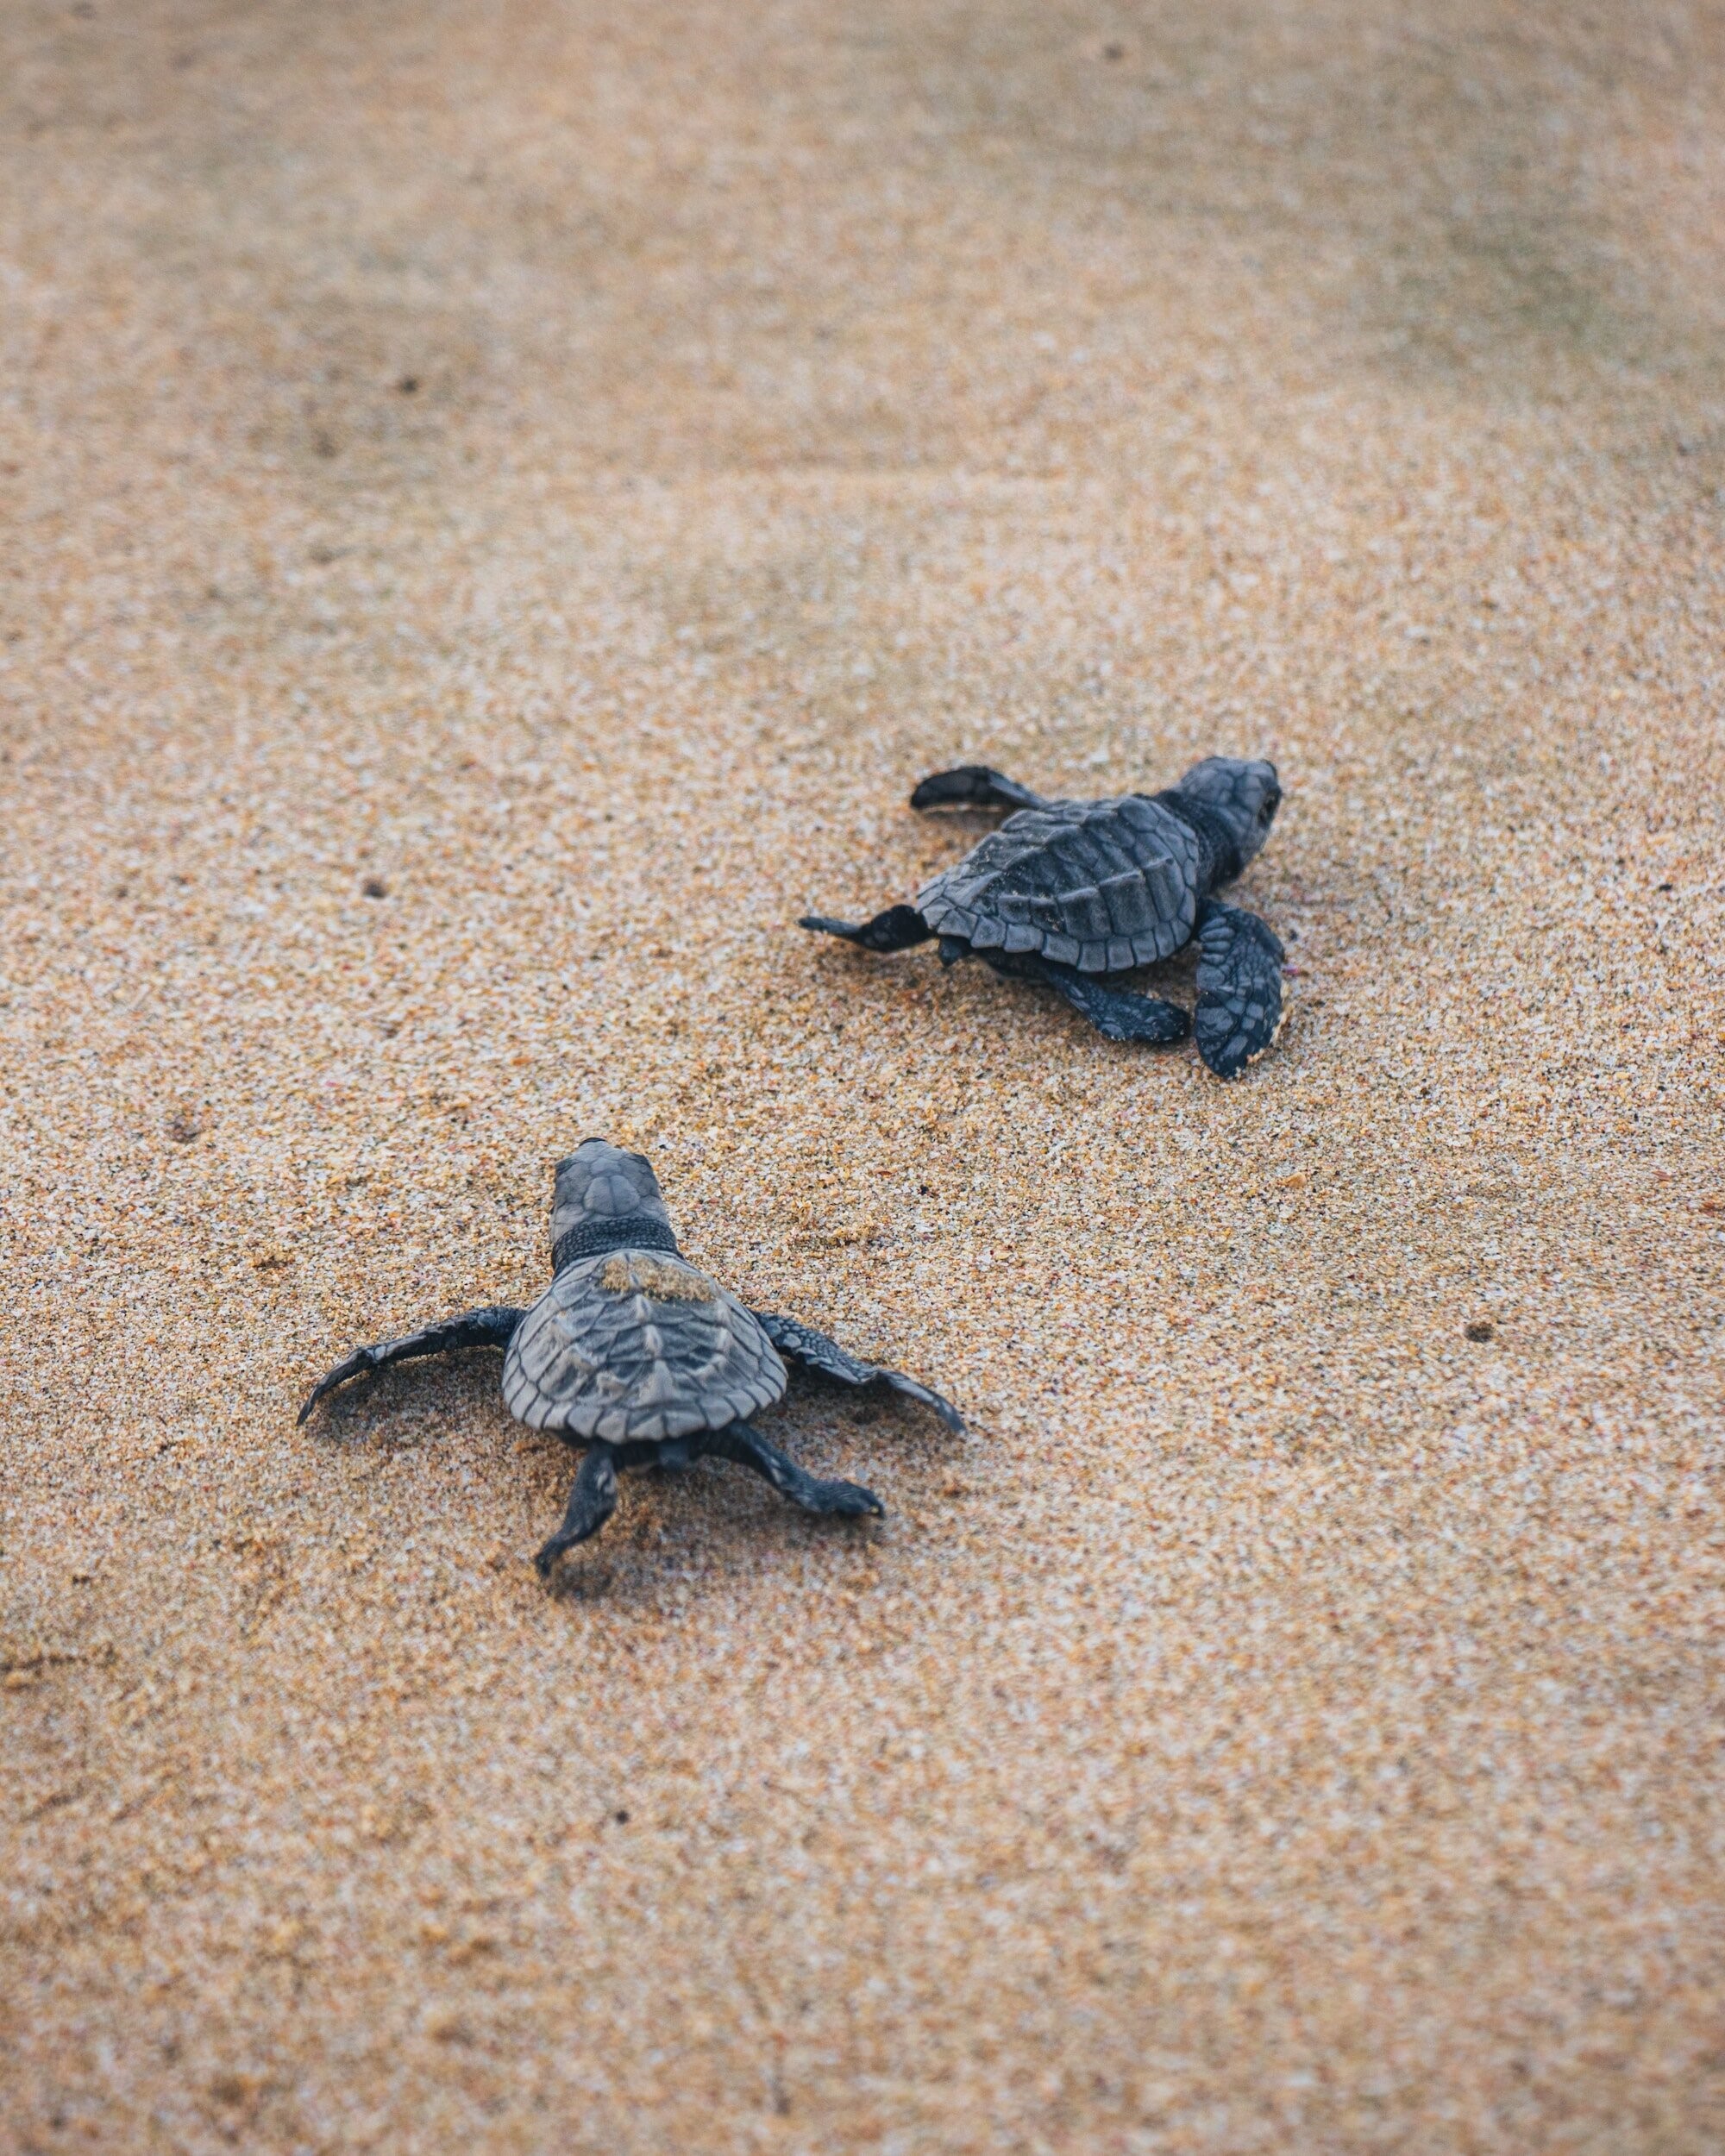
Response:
column 500, row 504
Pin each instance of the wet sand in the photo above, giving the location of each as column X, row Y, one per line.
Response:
column 500, row 504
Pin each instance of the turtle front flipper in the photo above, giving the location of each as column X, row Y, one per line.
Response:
column 974, row 786
column 591, row 1502
column 898, row 928
column 1239, row 988
column 799, row 1342
column 744, row 1444
column 492, row 1327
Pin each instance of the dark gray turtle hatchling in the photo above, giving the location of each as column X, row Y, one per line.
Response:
column 634, row 1354
column 1070, row 893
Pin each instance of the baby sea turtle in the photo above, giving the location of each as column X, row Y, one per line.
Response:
column 635, row 1354
column 1070, row 893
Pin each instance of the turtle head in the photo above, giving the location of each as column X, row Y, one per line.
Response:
column 599, row 1183
column 1244, row 793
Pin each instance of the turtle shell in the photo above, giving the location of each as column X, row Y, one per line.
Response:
column 1099, row 885
column 635, row 1345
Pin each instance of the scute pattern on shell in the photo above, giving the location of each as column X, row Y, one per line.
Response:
column 624, row 1363
column 1102, row 885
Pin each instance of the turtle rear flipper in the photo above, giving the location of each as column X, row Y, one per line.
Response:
column 897, row 929
column 974, row 786
column 1117, row 1014
column 591, row 1502
column 1239, row 988
column 744, row 1444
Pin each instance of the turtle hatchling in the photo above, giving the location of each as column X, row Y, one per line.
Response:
column 633, row 1354
column 1072, row 893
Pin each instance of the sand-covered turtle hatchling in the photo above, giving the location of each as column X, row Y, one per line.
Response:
column 635, row 1354
column 1073, row 893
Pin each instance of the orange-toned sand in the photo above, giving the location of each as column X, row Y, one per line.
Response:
column 501, row 502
